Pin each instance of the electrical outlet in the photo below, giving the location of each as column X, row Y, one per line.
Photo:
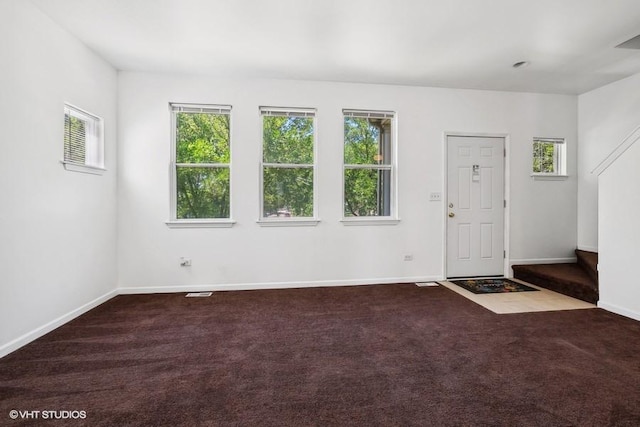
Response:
column 185, row 262
column 435, row 197
column 408, row 257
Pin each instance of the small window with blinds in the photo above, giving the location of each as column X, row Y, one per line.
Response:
column 201, row 164
column 83, row 142
column 288, row 164
column 548, row 157
column 369, row 164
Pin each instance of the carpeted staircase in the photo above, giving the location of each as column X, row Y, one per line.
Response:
column 578, row 280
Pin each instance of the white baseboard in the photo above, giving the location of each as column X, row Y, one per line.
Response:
column 45, row 329
column 588, row 248
column 270, row 285
column 619, row 310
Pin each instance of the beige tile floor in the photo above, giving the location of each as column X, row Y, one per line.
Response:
column 521, row 302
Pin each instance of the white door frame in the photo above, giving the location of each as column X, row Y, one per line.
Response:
column 507, row 194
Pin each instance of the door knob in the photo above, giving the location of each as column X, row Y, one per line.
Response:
column 451, row 214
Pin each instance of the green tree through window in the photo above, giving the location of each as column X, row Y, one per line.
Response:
column 287, row 163
column 368, row 164
column 203, row 155
column 547, row 156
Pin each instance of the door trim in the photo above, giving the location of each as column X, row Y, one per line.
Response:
column 507, row 195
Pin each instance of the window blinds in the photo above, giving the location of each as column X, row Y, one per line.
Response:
column 369, row 114
column 82, row 137
column 549, row 140
column 203, row 109
column 288, row 112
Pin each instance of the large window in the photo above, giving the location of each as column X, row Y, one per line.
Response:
column 368, row 163
column 201, row 162
column 548, row 156
column 288, row 140
column 83, row 142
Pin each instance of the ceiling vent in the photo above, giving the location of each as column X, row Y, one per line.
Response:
column 633, row 43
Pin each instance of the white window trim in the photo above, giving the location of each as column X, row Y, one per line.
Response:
column 548, row 177
column 76, row 167
column 370, row 220
column 174, row 222
column 560, row 160
column 392, row 219
column 288, row 221
column 98, row 169
column 197, row 223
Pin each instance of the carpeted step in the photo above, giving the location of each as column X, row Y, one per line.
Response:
column 589, row 263
column 568, row 279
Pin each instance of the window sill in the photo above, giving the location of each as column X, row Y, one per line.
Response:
column 370, row 221
column 548, row 177
column 200, row 223
column 75, row 167
column 288, row 222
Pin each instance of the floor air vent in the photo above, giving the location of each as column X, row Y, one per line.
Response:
column 427, row 284
column 199, row 294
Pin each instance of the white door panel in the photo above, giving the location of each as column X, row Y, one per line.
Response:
column 475, row 196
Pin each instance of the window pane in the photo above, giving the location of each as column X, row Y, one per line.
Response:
column 288, row 140
column 367, row 192
column 544, row 157
column 202, row 192
column 75, row 137
column 367, row 141
column 288, row 192
column 202, row 138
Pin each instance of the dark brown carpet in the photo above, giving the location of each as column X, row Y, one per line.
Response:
column 370, row 355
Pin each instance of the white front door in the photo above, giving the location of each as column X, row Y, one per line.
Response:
column 475, row 206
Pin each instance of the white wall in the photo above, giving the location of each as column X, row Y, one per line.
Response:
column 57, row 228
column 609, row 204
column 606, row 116
column 619, row 234
column 543, row 214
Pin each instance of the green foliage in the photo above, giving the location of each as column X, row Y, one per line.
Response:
column 544, row 157
column 202, row 138
column 361, row 142
column 288, row 140
column 288, row 191
column 202, row 192
column 364, row 188
column 363, row 194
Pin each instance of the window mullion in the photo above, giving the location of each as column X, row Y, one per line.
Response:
column 373, row 167
column 202, row 165
column 288, row 165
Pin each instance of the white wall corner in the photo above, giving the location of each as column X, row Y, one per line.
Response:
column 619, row 310
column 25, row 339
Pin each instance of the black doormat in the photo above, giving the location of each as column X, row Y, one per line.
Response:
column 492, row 286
